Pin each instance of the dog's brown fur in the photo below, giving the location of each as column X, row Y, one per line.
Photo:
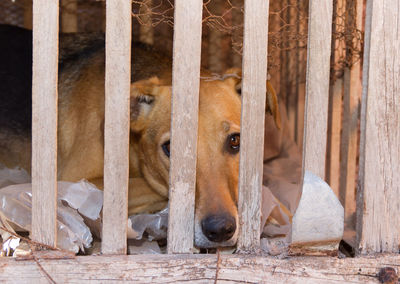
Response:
column 80, row 136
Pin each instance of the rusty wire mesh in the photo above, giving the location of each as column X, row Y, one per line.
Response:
column 222, row 20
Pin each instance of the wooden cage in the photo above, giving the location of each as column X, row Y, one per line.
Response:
column 378, row 206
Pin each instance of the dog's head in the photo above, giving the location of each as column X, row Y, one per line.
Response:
column 216, row 216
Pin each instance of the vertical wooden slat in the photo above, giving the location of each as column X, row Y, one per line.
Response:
column 334, row 134
column 335, row 98
column 252, row 123
column 69, row 16
column 116, row 132
column 378, row 223
column 317, row 86
column 44, row 121
column 301, row 55
column 351, row 102
column 292, row 98
column 185, row 89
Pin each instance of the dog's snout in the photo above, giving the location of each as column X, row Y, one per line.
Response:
column 218, row 228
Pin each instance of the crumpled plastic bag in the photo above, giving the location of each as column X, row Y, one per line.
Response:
column 72, row 233
column 152, row 226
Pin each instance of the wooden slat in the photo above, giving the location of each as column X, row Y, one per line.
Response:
column 349, row 146
column 252, row 123
column 291, row 74
column 335, row 99
column 44, row 121
column 196, row 269
column 317, row 86
column 69, row 16
column 334, row 134
column 379, row 202
column 116, row 132
column 185, row 89
column 301, row 55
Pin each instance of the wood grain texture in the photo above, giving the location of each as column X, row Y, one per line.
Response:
column 197, row 269
column 335, row 99
column 116, row 128
column 334, row 134
column 291, row 75
column 350, row 132
column 44, row 121
column 252, row 123
column 301, row 57
column 349, row 140
column 69, row 16
column 378, row 225
column 184, row 118
column 317, row 86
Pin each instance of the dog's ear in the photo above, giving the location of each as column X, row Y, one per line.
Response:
column 142, row 101
column 233, row 76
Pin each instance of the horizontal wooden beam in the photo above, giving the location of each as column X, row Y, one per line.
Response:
column 197, row 268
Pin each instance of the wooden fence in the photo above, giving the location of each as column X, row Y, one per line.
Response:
column 378, row 229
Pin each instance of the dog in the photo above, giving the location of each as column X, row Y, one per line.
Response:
column 81, row 130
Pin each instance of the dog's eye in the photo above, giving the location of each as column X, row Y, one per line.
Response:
column 233, row 143
column 238, row 89
column 165, row 148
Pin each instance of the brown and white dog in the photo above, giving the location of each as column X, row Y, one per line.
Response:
column 81, row 133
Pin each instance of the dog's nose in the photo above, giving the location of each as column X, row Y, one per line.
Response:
column 218, row 228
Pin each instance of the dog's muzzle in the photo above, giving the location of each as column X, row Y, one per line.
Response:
column 218, row 228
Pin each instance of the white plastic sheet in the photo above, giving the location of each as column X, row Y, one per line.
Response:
column 72, row 233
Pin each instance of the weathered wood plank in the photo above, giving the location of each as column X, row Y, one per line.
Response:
column 116, row 132
column 252, row 122
column 44, row 121
column 349, row 143
column 301, row 56
column 290, row 75
column 69, row 16
column 185, row 100
column 197, row 269
column 379, row 200
column 317, row 86
column 335, row 99
column 348, row 146
column 334, row 134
